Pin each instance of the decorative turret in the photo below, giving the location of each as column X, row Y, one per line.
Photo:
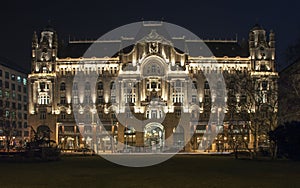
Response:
column 44, row 52
column 34, row 41
column 262, row 52
column 272, row 39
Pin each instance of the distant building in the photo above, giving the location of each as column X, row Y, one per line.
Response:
column 289, row 93
column 153, row 80
column 13, row 104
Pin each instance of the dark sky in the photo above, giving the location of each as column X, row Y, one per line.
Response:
column 90, row 19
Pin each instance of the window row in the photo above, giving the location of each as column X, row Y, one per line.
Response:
column 13, row 77
column 88, row 70
column 12, row 86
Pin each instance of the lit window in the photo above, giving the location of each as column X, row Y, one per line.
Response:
column 6, row 113
column 24, row 81
column 43, row 98
column 75, row 99
column 19, row 79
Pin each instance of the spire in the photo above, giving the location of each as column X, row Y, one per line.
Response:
column 34, row 40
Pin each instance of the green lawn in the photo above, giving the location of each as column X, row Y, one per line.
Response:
column 180, row 171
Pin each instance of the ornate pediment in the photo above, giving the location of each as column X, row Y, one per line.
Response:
column 153, row 36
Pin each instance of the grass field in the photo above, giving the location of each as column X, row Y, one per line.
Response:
column 180, row 171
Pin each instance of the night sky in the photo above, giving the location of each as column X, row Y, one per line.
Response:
column 90, row 20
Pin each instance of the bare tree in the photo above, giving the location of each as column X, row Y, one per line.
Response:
column 252, row 109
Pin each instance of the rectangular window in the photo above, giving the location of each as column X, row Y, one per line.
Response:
column 264, row 85
column 75, row 99
column 194, row 98
column 113, row 99
column 0, row 83
column 6, row 85
column 63, row 115
column 24, row 89
column 13, row 77
column 13, row 86
column 20, row 125
column 25, row 116
column 7, row 104
column 19, row 106
column 6, row 113
column 13, row 105
column 7, row 95
column 178, row 112
column 13, row 95
column 19, row 89
column 100, row 99
column 24, row 81
column 43, row 115
column 0, row 73
column 25, row 98
column 7, row 75
column 62, row 100
column 26, row 133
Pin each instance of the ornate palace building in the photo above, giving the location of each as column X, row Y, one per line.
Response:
column 159, row 85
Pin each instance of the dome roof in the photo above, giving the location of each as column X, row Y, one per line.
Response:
column 256, row 27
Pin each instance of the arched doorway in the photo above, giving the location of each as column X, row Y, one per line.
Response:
column 154, row 136
column 178, row 137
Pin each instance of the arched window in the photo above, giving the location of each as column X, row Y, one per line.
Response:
column 206, row 85
column 194, row 85
column 100, row 85
column 62, row 86
column 112, row 85
column 43, row 98
column 87, row 86
column 75, row 86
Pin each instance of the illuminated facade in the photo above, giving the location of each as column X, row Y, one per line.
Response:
column 151, row 81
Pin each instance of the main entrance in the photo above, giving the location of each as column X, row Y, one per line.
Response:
column 154, row 136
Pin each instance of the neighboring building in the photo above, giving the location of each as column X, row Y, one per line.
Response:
column 155, row 81
column 13, row 105
column 289, row 94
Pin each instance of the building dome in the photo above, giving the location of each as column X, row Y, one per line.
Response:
column 257, row 27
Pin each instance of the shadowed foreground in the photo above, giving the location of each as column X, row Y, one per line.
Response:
column 180, row 171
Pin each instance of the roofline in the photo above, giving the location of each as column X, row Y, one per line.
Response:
column 11, row 65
